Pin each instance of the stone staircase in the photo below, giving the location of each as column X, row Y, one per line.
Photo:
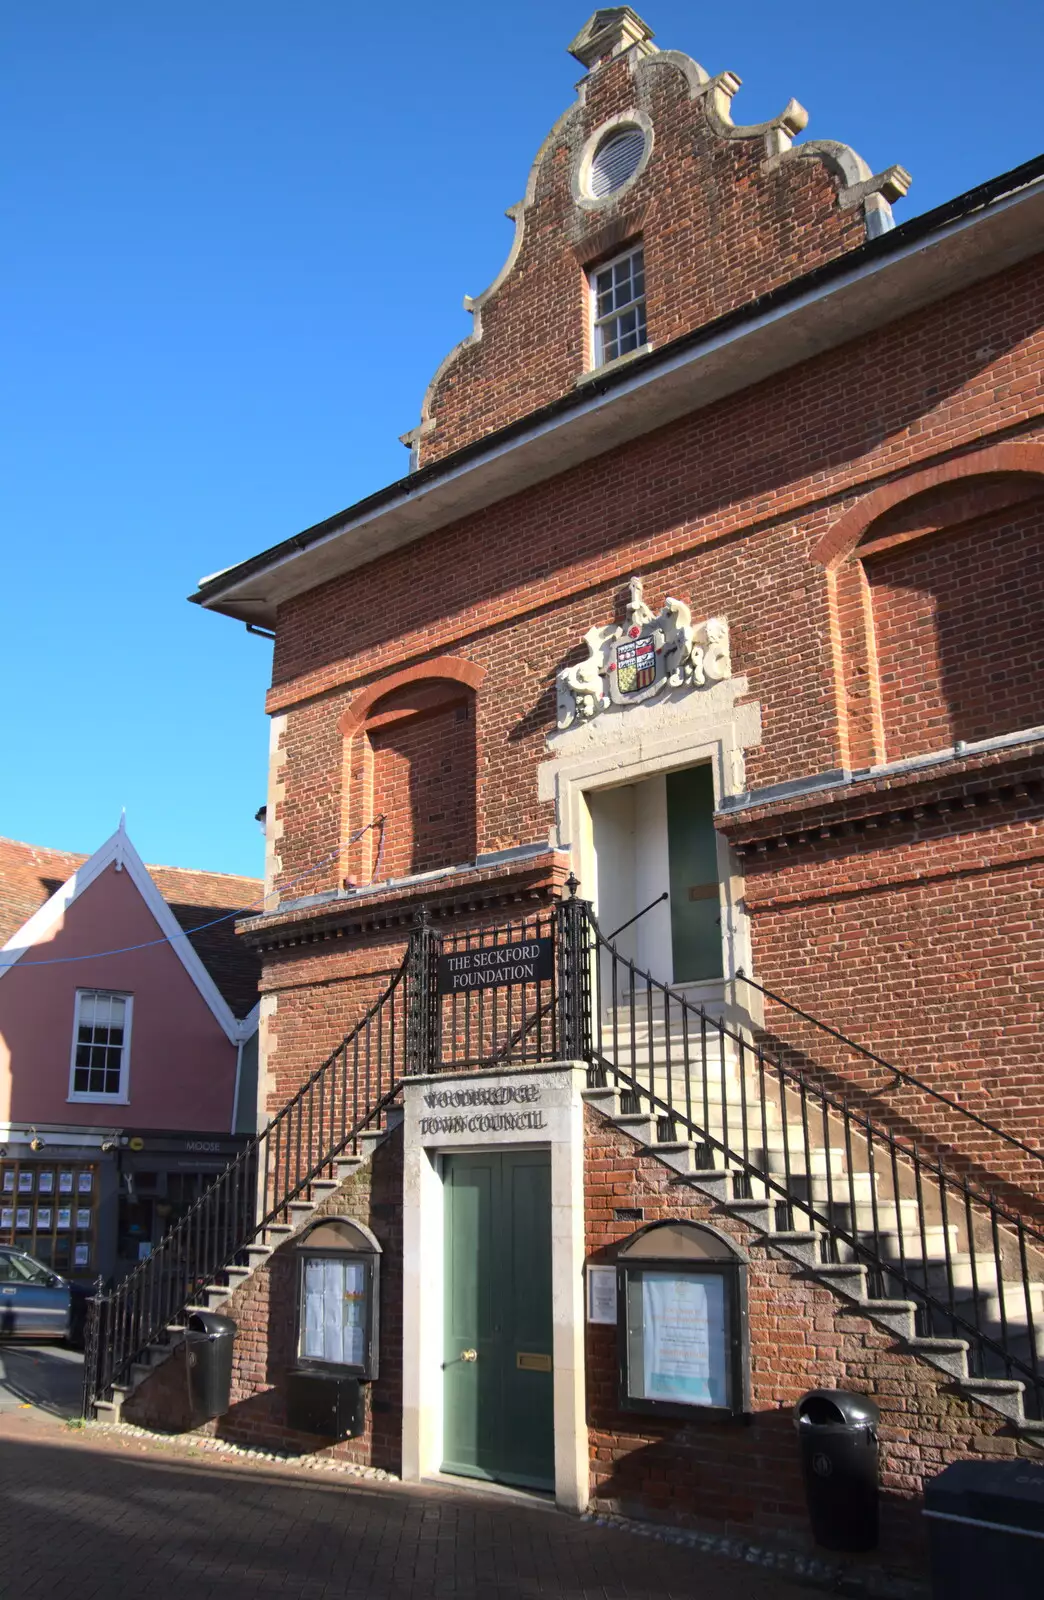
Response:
column 216, row 1294
column 682, row 1089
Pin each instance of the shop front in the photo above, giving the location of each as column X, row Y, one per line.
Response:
column 161, row 1176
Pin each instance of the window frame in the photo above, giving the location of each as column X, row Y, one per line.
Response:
column 598, row 324
column 86, row 1096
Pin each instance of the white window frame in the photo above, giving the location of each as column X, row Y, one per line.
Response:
column 598, row 323
column 123, row 1096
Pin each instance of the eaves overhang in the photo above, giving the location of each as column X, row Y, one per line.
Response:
column 970, row 238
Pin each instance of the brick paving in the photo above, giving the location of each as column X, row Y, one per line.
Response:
column 85, row 1514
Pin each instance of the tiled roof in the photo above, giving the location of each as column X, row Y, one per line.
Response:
column 30, row 874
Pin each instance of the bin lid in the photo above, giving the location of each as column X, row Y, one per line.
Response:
column 208, row 1322
column 835, row 1408
column 1006, row 1493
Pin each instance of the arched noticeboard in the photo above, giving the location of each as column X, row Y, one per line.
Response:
column 684, row 1344
column 338, row 1287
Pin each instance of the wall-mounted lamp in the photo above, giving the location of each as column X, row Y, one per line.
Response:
column 36, row 1143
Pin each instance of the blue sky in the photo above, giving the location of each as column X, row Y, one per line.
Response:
column 237, row 239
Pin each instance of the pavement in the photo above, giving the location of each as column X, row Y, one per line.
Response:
column 46, row 1377
column 86, row 1513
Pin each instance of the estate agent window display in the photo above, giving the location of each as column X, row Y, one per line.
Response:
column 682, row 1321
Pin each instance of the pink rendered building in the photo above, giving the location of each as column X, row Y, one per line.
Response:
column 128, row 1048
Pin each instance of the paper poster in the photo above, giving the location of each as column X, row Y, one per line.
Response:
column 7, row 1217
column 684, row 1355
column 23, row 1217
column 25, row 1182
column 9, row 1181
column 85, row 1183
column 83, row 1217
column 601, row 1294
column 82, row 1255
column 64, row 1217
column 43, row 1218
column 45, row 1183
column 65, row 1182
column 335, row 1305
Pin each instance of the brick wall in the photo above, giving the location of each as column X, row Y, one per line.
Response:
column 723, row 508
column 719, row 228
column 746, row 1477
column 264, row 1309
column 958, row 618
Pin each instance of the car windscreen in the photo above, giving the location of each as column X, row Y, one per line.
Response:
column 23, row 1269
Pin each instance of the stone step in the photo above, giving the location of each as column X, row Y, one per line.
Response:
column 949, row 1355
column 936, row 1276
column 1003, row 1394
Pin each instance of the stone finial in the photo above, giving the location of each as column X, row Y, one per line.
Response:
column 608, row 33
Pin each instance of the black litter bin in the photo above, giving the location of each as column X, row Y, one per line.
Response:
column 208, row 1362
column 837, row 1436
column 986, row 1530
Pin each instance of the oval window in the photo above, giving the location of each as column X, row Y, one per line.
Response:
column 616, row 159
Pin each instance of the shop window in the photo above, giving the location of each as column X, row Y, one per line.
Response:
column 101, row 1046
column 338, row 1285
column 682, row 1310
column 50, row 1211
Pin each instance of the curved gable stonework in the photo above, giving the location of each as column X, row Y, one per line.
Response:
column 725, row 214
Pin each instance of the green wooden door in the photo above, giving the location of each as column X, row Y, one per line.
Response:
column 499, row 1419
column 693, row 858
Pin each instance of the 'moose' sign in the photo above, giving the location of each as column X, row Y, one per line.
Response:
column 529, row 961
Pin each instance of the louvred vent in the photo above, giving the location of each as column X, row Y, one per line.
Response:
column 616, row 160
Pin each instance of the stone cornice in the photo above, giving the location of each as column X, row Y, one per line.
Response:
column 917, row 796
column 530, row 882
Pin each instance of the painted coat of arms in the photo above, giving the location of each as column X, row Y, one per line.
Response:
column 633, row 662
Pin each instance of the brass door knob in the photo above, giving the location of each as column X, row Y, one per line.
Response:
column 469, row 1355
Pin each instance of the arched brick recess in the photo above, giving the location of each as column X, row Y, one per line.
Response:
column 851, row 555
column 409, row 756
column 452, row 667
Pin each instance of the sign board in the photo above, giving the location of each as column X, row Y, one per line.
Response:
column 601, row 1294
column 495, row 965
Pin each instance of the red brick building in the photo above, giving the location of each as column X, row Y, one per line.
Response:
column 716, row 584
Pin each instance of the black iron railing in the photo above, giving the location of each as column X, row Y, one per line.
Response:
column 510, row 1023
column 973, row 1268
column 859, row 1194
column 900, row 1074
column 348, row 1095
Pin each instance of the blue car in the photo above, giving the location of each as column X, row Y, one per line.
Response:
column 35, row 1303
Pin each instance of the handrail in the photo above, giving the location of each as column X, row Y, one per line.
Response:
column 660, row 898
column 900, row 1072
column 910, row 1238
column 350, row 1090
